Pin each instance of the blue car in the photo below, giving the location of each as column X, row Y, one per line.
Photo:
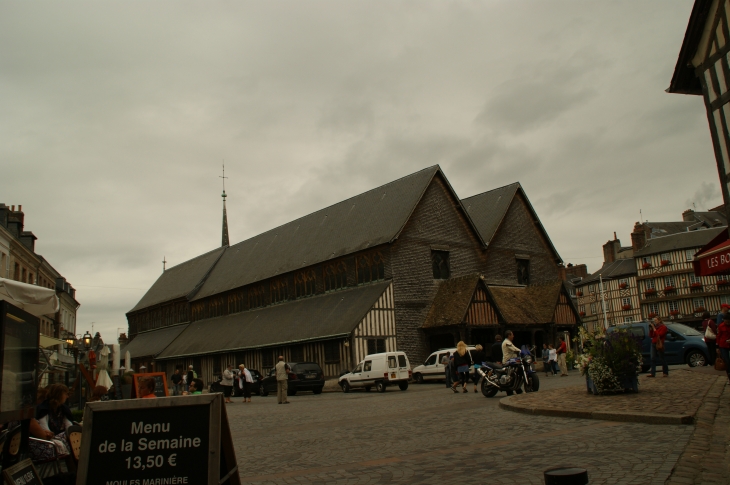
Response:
column 683, row 345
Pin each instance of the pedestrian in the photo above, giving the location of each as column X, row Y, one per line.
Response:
column 723, row 343
column 462, row 361
column 496, row 350
column 658, row 333
column 553, row 359
column 282, row 380
column 546, row 359
column 191, row 375
column 477, row 357
column 724, row 309
column 709, row 329
column 176, row 379
column 227, row 383
column 562, row 351
column 245, row 381
column 445, row 361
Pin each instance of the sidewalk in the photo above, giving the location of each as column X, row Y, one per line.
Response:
column 673, row 400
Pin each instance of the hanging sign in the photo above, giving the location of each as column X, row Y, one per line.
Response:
column 24, row 473
column 175, row 440
column 160, row 383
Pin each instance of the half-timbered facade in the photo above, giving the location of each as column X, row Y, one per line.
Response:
column 354, row 278
column 612, row 288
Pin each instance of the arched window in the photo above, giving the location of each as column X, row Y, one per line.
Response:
column 305, row 284
column 335, row 276
column 370, row 267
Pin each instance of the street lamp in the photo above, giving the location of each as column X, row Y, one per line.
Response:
column 87, row 340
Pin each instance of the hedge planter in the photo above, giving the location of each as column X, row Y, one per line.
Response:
column 646, row 265
column 628, row 384
column 664, row 262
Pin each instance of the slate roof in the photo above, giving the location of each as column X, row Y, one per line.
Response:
column 618, row 269
column 151, row 343
column 488, row 209
column 330, row 315
column 684, row 80
column 659, row 229
column 711, row 218
column 526, row 305
column 683, row 240
column 372, row 218
column 179, row 281
column 452, row 301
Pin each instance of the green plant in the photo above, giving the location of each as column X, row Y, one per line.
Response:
column 78, row 415
column 609, row 359
column 570, row 359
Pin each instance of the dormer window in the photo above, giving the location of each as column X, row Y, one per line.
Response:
column 523, row 271
column 440, row 265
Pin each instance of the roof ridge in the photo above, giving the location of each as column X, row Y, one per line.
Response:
column 492, row 190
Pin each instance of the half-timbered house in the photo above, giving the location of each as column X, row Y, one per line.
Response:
column 357, row 277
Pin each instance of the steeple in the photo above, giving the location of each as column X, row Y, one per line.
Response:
column 224, row 238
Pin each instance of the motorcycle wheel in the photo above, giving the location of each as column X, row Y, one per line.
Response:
column 533, row 384
column 487, row 390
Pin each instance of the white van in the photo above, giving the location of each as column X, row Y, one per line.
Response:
column 432, row 369
column 379, row 371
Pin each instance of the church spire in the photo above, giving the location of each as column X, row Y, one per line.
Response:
column 224, row 238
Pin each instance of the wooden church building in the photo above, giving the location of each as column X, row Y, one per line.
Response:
column 405, row 266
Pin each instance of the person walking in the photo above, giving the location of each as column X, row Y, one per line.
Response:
column 176, row 382
column 496, row 350
column 658, row 333
column 553, row 359
column 227, row 383
column 445, row 361
column 724, row 310
column 477, row 357
column 546, row 360
column 709, row 329
column 190, row 376
column 282, row 380
column 562, row 351
column 245, row 381
column 723, row 343
column 462, row 361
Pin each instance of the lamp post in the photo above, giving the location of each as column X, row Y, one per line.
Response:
column 77, row 345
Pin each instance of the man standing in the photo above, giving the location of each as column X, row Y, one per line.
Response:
column 176, row 380
column 562, row 351
column 282, row 380
column 447, row 370
column 658, row 333
column 496, row 350
column 190, row 376
column 724, row 309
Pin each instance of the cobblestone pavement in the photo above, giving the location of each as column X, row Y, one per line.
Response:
column 428, row 434
column 675, row 399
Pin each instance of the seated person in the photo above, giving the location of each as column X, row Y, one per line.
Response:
column 147, row 388
column 99, row 394
column 196, row 387
column 52, row 419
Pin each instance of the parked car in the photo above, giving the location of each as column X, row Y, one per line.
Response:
column 683, row 345
column 304, row 376
column 215, row 386
column 431, row 369
column 379, row 371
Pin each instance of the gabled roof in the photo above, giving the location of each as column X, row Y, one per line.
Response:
column 370, row 219
column 682, row 240
column 488, row 210
column 179, row 281
column 330, row 315
column 684, row 80
column 151, row 343
column 527, row 305
column 452, row 301
column 618, row 269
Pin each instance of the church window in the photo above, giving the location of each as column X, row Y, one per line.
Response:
column 440, row 264
column 331, row 352
column 335, row 276
column 376, row 345
column 370, row 267
column 279, row 290
column 256, row 297
column 523, row 271
column 305, row 284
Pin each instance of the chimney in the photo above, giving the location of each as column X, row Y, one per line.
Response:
column 123, row 339
column 638, row 237
column 688, row 215
column 610, row 250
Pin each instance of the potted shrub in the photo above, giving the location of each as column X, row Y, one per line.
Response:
column 696, row 286
column 610, row 362
column 626, row 307
column 582, row 314
column 652, row 315
column 669, row 289
column 579, row 293
column 650, row 292
column 721, row 282
column 699, row 309
column 623, row 286
column 665, row 262
column 674, row 313
column 646, row 265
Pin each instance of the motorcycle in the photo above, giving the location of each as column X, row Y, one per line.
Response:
column 509, row 377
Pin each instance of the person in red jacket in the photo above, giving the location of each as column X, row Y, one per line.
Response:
column 658, row 333
column 723, row 343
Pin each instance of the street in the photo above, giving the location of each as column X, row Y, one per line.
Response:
column 428, row 434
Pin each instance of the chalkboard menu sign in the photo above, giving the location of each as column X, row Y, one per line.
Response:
column 160, row 383
column 22, row 474
column 182, row 440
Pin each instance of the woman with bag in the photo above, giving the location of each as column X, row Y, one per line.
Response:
column 723, row 343
column 709, row 329
column 462, row 361
column 658, row 334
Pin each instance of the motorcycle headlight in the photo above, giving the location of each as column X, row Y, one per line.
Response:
column 528, row 359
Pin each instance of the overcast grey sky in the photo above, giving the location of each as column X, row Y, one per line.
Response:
column 115, row 118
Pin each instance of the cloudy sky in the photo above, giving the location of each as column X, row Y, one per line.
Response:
column 115, row 118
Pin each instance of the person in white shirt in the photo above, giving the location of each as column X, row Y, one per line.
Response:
column 553, row 358
column 245, row 381
column 509, row 351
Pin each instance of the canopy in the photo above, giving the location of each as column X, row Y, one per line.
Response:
column 50, row 341
column 31, row 298
column 714, row 258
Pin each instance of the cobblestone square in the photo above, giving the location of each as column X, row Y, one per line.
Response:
column 428, row 434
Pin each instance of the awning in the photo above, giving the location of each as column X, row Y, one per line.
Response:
column 46, row 341
column 31, row 298
column 714, row 258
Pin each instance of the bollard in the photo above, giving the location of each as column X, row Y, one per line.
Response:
column 566, row 476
